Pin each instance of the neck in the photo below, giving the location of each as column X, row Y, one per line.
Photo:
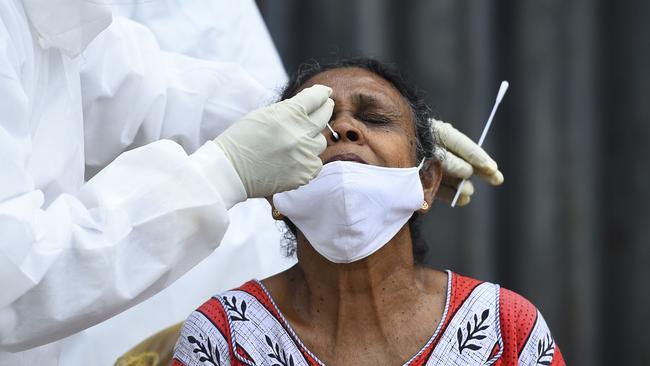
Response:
column 329, row 291
column 383, row 302
column 392, row 264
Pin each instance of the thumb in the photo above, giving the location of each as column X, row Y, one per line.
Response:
column 320, row 117
column 312, row 98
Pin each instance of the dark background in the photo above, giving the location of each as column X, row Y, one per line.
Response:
column 570, row 227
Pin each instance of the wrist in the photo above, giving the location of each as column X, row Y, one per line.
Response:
column 220, row 172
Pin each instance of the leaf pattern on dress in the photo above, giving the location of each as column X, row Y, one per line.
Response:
column 473, row 333
column 278, row 355
column 206, row 353
column 545, row 350
column 240, row 312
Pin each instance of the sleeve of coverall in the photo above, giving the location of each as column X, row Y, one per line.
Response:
column 134, row 93
column 135, row 227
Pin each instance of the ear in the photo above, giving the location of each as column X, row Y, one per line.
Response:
column 430, row 176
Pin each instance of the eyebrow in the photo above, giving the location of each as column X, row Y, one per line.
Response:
column 365, row 102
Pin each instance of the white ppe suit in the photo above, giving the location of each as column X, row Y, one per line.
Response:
column 148, row 216
column 213, row 30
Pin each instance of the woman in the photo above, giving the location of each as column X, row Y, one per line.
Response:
column 358, row 295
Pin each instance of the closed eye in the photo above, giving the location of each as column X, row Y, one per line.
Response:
column 373, row 118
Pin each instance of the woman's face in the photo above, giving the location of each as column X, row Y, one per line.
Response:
column 373, row 120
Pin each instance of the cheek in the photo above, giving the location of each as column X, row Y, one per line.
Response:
column 395, row 149
column 410, row 152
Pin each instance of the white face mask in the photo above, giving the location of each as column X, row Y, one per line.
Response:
column 351, row 210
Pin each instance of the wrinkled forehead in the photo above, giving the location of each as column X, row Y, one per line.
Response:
column 357, row 85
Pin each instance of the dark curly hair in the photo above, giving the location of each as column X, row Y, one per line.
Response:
column 426, row 143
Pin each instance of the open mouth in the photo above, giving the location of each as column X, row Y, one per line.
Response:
column 346, row 157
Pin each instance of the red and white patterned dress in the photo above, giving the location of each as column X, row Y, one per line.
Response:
column 245, row 327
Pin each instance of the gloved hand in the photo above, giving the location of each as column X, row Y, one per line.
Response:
column 463, row 158
column 276, row 148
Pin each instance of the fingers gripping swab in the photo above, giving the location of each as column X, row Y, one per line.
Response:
column 502, row 91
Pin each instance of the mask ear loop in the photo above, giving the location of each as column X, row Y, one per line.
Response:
column 421, row 164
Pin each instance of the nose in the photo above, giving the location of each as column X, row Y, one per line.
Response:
column 347, row 129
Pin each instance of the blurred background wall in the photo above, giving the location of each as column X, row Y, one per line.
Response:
column 570, row 227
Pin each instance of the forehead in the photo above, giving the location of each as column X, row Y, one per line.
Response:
column 350, row 82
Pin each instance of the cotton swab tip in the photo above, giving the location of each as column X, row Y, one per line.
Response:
column 502, row 90
column 334, row 133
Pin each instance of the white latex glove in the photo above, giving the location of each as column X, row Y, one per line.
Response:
column 276, row 148
column 463, row 159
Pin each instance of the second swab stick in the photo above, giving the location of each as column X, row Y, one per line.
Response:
column 502, row 91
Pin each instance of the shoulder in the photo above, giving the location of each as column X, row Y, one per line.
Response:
column 206, row 334
column 243, row 326
column 527, row 337
column 523, row 335
column 518, row 316
column 226, row 328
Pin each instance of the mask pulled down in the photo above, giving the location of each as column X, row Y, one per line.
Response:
column 351, row 210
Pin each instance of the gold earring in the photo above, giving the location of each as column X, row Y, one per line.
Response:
column 276, row 214
column 425, row 205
